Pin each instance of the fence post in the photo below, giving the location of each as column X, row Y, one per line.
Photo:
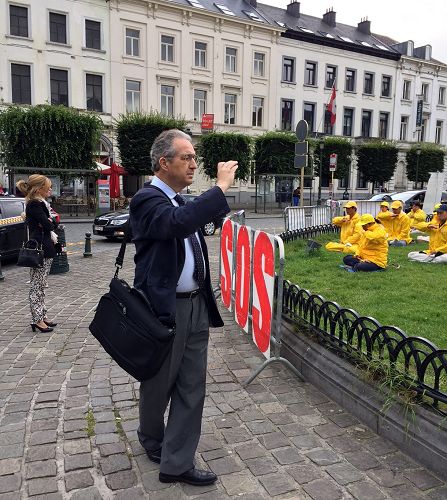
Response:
column 88, row 245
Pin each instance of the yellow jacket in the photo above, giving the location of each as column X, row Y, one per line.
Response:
column 351, row 231
column 400, row 228
column 373, row 245
column 417, row 218
column 438, row 237
column 386, row 220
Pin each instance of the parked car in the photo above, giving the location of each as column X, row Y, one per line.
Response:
column 12, row 227
column 409, row 197
column 382, row 197
column 114, row 224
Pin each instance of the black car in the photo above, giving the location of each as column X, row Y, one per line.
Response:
column 12, row 227
column 114, row 224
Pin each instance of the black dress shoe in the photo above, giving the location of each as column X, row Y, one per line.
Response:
column 196, row 477
column 154, row 456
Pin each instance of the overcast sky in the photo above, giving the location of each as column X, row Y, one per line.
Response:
column 424, row 22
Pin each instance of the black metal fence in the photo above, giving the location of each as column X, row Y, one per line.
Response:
column 418, row 363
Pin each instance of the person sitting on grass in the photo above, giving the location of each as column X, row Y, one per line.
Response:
column 434, row 220
column 416, row 215
column 399, row 232
column 385, row 217
column 437, row 250
column 350, row 230
column 372, row 253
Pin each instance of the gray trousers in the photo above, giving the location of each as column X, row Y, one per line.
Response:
column 181, row 381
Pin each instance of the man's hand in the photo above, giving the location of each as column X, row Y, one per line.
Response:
column 225, row 174
column 433, row 226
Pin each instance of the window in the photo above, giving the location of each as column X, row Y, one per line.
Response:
column 441, row 96
column 59, row 86
column 200, row 54
column 403, row 128
column 345, row 181
column 361, row 182
column 424, row 129
column 366, row 123
column 348, row 122
column 258, row 109
column 424, row 91
column 259, row 64
column 350, row 80
column 406, row 90
column 230, row 109
column 286, row 114
column 167, row 48
column 133, row 96
column 309, row 115
column 94, row 92
column 18, row 21
column 230, row 60
column 331, row 75
column 132, row 42
column 368, row 84
column 386, row 86
column 21, row 83
column 310, row 76
column 383, row 125
column 438, row 136
column 199, row 104
column 288, row 69
column 92, row 34
column 328, row 127
column 167, row 100
column 58, row 28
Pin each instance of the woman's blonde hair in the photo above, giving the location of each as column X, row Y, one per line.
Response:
column 33, row 185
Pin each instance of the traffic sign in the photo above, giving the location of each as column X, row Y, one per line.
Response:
column 301, row 148
column 301, row 130
column 332, row 162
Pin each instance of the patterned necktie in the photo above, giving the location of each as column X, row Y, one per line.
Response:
column 199, row 268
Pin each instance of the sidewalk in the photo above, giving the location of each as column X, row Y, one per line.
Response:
column 69, row 416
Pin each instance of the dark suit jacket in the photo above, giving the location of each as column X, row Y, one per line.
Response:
column 159, row 229
column 40, row 227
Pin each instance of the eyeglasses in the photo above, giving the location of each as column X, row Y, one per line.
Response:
column 188, row 157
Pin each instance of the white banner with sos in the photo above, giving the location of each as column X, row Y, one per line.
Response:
column 247, row 279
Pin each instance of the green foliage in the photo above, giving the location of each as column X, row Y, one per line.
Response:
column 48, row 137
column 136, row 133
column 431, row 159
column 338, row 145
column 275, row 153
column 223, row 146
column 377, row 160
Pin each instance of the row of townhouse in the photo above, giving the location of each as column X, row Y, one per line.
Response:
column 254, row 66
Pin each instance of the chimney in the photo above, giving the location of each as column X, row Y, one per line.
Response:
column 293, row 8
column 329, row 17
column 253, row 3
column 364, row 26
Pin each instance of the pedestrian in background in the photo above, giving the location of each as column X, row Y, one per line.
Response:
column 40, row 225
column 296, row 196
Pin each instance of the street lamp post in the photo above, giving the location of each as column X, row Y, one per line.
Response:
column 321, row 145
column 418, row 154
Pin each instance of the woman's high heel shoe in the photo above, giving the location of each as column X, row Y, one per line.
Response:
column 43, row 330
column 50, row 323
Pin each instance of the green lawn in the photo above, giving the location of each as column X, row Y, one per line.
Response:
column 411, row 298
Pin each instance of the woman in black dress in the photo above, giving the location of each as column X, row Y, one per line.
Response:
column 41, row 228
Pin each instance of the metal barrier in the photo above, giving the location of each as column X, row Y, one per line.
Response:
column 368, row 207
column 302, row 217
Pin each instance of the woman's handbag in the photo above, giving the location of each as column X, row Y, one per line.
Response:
column 31, row 254
column 127, row 328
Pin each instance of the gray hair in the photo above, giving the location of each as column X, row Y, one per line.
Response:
column 162, row 146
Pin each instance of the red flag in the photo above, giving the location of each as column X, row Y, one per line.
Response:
column 332, row 106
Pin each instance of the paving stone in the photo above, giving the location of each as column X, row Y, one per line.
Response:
column 305, row 442
column 115, row 463
column 399, row 462
column 251, row 414
column 277, row 484
column 293, row 429
column 386, row 477
column 287, row 456
column 261, row 465
column 11, row 482
column 328, row 430
column 322, row 489
column 227, row 422
column 422, row 479
column 11, row 451
column 344, row 473
column 91, row 493
column 79, row 461
column 42, row 486
column 236, row 435
column 112, row 448
column 77, row 446
column 438, row 494
column 362, row 490
column 304, row 473
column 133, row 494
column 344, row 419
column 343, row 445
column 44, row 425
column 10, row 466
column 260, row 427
column 323, row 457
column 42, row 437
column 213, row 454
column 46, row 468
column 105, row 427
column 78, row 480
column 281, row 418
column 225, row 465
column 122, row 479
column 208, row 443
column 274, row 440
column 151, row 482
column 7, row 438
column 251, row 450
column 239, row 484
column 363, row 460
column 106, row 439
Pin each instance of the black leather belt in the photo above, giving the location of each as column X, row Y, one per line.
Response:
column 187, row 295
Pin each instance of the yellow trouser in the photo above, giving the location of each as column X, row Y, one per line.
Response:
column 332, row 246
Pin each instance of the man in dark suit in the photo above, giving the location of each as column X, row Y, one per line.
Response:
column 172, row 268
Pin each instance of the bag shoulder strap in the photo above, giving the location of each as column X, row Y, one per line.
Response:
column 122, row 251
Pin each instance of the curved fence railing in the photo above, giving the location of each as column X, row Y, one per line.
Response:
column 416, row 362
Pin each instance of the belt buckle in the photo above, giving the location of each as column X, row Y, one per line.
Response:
column 193, row 294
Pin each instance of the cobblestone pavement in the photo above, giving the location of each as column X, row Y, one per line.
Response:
column 69, row 416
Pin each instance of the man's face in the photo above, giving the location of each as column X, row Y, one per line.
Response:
column 383, row 208
column 351, row 211
column 442, row 216
column 415, row 208
column 397, row 211
column 178, row 171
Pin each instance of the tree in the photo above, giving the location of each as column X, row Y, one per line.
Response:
column 136, row 133
column 44, row 136
column 431, row 159
column 377, row 161
column 275, row 153
column 341, row 147
column 223, row 146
